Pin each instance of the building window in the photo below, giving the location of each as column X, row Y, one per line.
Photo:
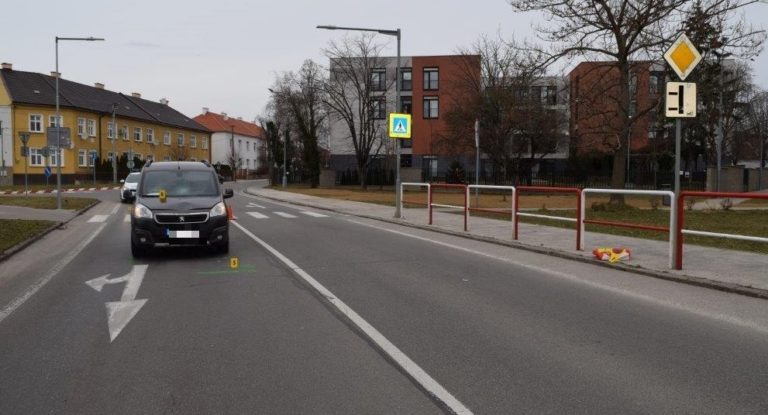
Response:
column 536, row 94
column 35, row 157
column 124, row 132
column 379, row 79
column 110, row 155
column 54, row 156
column 379, row 108
column 150, row 136
column 137, row 133
column 93, row 155
column 247, row 146
column 52, row 120
column 205, row 144
column 239, row 145
column 110, row 130
column 551, row 95
column 632, row 84
column 81, row 127
column 406, row 82
column 430, row 79
column 431, row 107
column 406, row 105
column 35, row 123
column 82, row 158
column 180, row 140
column 91, row 128
column 193, row 141
column 653, row 82
column 167, row 138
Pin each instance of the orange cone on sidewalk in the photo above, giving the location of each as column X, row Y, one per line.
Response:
column 230, row 213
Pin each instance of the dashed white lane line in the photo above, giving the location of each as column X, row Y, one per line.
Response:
column 257, row 215
column 406, row 364
column 285, row 215
column 127, row 218
column 98, row 218
column 314, row 214
column 253, row 205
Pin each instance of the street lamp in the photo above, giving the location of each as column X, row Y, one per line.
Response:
column 58, row 116
column 396, row 33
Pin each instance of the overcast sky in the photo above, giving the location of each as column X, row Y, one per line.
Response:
column 224, row 54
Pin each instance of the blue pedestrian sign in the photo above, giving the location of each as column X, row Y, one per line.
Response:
column 47, row 171
column 399, row 125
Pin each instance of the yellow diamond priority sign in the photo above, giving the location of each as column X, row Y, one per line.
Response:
column 399, row 125
column 682, row 56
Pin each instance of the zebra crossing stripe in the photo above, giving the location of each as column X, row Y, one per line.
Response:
column 314, row 214
column 257, row 215
column 285, row 215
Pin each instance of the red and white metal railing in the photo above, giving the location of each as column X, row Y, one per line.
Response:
column 710, row 195
column 407, row 184
column 432, row 204
column 477, row 208
column 540, row 189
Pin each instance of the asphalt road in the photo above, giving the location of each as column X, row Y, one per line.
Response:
column 335, row 314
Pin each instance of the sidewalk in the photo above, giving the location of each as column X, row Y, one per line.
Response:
column 734, row 271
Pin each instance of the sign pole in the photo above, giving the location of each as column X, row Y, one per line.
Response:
column 673, row 229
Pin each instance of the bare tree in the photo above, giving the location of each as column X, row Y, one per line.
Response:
column 178, row 152
column 757, row 122
column 495, row 87
column 351, row 97
column 618, row 32
column 301, row 95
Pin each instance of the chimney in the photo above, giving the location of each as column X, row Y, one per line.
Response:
column 224, row 114
column 55, row 74
column 135, row 94
column 205, row 110
column 8, row 66
column 163, row 101
column 98, row 85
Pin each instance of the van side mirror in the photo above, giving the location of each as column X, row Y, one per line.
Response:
column 228, row 193
column 122, row 180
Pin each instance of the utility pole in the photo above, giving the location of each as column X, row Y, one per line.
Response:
column 114, row 138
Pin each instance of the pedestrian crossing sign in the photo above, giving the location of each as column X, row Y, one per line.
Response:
column 399, row 125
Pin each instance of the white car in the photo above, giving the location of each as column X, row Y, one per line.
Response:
column 128, row 189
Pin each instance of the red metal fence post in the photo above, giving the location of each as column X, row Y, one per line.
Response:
column 578, row 219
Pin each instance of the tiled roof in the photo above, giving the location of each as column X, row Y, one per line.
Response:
column 220, row 123
column 38, row 89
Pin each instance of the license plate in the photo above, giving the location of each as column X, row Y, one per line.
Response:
column 183, row 234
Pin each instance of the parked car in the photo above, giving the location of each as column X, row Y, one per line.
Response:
column 179, row 203
column 128, row 188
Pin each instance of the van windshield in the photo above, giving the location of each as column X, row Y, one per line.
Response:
column 133, row 178
column 179, row 183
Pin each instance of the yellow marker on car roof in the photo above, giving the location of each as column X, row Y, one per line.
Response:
column 163, row 196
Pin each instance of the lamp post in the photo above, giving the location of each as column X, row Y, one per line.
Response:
column 58, row 116
column 114, row 138
column 396, row 33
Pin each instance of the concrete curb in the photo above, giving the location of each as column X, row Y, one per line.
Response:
column 41, row 192
column 685, row 279
column 34, row 238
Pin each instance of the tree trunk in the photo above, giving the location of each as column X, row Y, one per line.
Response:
column 617, row 175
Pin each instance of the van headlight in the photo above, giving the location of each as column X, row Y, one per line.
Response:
column 141, row 211
column 219, row 210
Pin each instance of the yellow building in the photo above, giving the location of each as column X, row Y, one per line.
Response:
column 145, row 129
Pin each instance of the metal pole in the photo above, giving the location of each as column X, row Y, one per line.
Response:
column 397, row 140
column 285, row 160
column 2, row 149
column 675, row 218
column 477, row 162
column 114, row 138
column 58, row 133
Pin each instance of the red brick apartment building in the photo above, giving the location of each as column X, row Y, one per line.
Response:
column 427, row 93
column 595, row 111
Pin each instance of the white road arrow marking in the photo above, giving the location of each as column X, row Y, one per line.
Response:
column 120, row 313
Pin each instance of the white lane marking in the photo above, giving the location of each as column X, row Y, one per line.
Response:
column 285, row 215
column 127, row 218
column 752, row 325
column 406, row 364
column 34, row 288
column 98, row 218
column 314, row 214
column 257, row 215
column 253, row 205
column 114, row 209
column 120, row 313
